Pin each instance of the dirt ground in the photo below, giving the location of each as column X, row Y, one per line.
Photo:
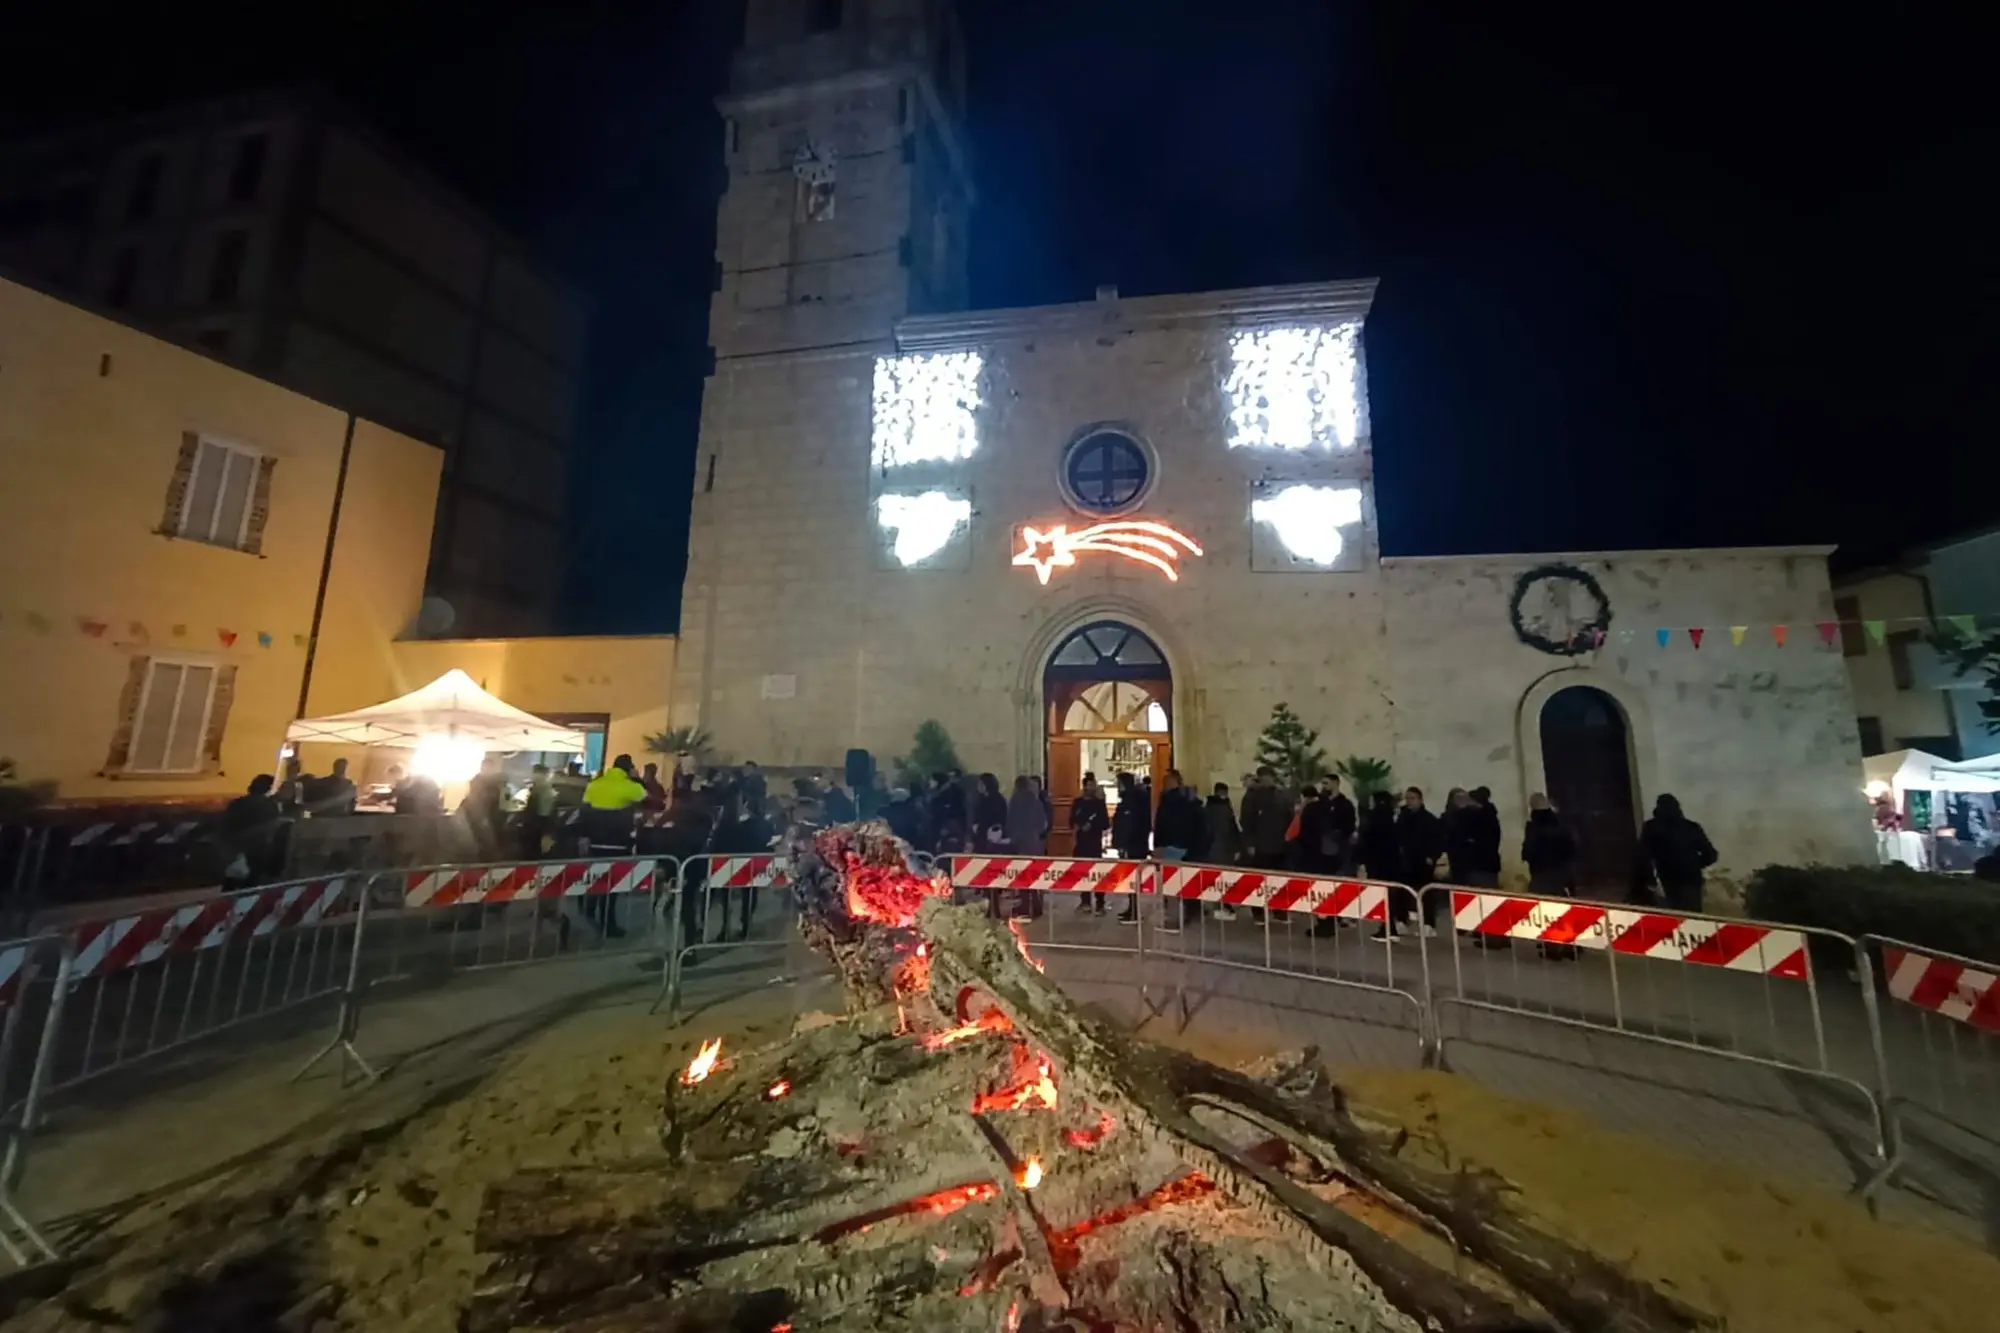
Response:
column 394, row 1223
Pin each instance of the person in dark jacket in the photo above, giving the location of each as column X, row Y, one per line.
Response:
column 1380, row 855
column 1225, row 840
column 1302, row 852
column 1337, row 839
column 989, row 816
column 1180, row 833
column 1089, row 821
column 1132, row 831
column 1549, row 849
column 1461, row 838
column 904, row 817
column 1486, row 825
column 249, row 832
column 1677, row 851
column 1267, row 813
column 948, row 813
column 1419, row 843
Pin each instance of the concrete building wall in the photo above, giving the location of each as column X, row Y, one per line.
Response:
column 93, row 419
column 1914, row 713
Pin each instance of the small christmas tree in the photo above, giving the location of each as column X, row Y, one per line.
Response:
column 931, row 751
column 1291, row 749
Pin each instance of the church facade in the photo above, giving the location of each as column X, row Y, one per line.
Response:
column 1115, row 534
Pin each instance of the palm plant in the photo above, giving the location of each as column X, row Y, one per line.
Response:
column 678, row 743
column 1367, row 776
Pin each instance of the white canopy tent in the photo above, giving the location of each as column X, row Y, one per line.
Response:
column 452, row 707
column 1914, row 770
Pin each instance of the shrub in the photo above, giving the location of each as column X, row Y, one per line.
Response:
column 1951, row 912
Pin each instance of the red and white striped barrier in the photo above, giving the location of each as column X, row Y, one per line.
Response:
column 128, row 941
column 529, row 879
column 13, row 961
column 1051, row 874
column 1735, row 945
column 745, row 872
column 1357, row 900
column 1943, row 987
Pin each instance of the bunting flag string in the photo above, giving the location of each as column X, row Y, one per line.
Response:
column 1736, row 633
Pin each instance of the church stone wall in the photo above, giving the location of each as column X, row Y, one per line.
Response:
column 1757, row 741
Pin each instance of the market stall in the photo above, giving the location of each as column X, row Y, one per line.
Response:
column 1932, row 813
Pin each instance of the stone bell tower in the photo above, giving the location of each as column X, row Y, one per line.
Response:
column 847, row 203
column 847, row 208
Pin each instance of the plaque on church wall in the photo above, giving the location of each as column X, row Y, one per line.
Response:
column 780, row 687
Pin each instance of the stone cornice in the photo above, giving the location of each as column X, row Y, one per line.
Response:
column 1307, row 302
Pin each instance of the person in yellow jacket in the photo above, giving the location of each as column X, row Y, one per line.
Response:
column 609, row 803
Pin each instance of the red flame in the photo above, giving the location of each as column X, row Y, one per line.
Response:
column 703, row 1063
column 782, row 1088
column 1012, row 1323
column 940, row 1203
column 990, row 1021
column 1029, row 1174
column 1089, row 1138
column 1021, row 938
column 1033, row 1089
column 1063, row 1244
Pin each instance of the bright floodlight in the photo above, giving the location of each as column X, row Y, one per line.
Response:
column 447, row 760
column 925, row 408
column 1295, row 388
column 922, row 523
column 1308, row 519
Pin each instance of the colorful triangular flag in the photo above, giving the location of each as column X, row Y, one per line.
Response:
column 1778, row 633
column 1967, row 626
column 1624, row 636
column 263, row 639
column 1596, row 638
column 94, row 628
column 1663, row 635
column 180, row 631
column 137, row 631
column 1829, row 630
column 1878, row 630
column 228, row 637
column 1694, row 633
column 1736, row 633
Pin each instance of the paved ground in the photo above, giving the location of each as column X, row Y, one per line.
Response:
column 449, row 988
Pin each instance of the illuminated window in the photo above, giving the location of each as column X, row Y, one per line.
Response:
column 1295, row 388
column 1105, row 472
column 1308, row 519
column 922, row 524
column 926, row 408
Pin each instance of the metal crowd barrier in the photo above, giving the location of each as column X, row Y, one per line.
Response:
column 1615, row 967
column 706, row 888
column 1940, row 1042
column 111, row 993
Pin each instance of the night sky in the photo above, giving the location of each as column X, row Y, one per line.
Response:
column 1712, row 281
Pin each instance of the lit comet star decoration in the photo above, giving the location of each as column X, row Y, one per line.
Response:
column 923, row 524
column 1155, row 544
column 1308, row 519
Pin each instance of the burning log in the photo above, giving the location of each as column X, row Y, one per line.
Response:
column 967, row 1150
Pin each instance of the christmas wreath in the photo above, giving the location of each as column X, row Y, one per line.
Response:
column 1573, row 634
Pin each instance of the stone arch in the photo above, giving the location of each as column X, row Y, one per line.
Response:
column 1029, row 731
column 1631, row 702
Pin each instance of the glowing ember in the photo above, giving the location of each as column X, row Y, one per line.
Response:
column 938, row 1204
column 703, row 1063
column 887, row 894
column 1090, row 1138
column 1035, row 1091
column 1063, row 1244
column 785, row 1327
column 1021, row 938
column 1012, row 1323
column 781, row 1088
column 1030, row 1173
column 913, row 974
column 989, row 1271
column 990, row 1021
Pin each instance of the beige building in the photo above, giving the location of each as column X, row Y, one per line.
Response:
column 1112, row 535
column 191, row 557
column 275, row 234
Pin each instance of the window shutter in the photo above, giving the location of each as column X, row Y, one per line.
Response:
column 260, row 507
column 218, row 718
column 177, row 489
column 128, row 714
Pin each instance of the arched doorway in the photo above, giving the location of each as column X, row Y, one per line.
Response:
column 1587, row 761
column 1108, row 707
